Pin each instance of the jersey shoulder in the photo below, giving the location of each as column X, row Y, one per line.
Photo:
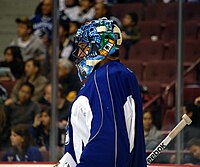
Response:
column 119, row 70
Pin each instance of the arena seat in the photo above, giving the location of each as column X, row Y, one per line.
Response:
column 168, row 121
column 170, row 52
column 191, row 11
column 146, row 50
column 191, row 50
column 167, row 12
column 8, row 85
column 191, row 30
column 169, row 31
column 150, row 12
column 191, row 77
column 136, row 66
column 162, row 71
column 191, row 92
column 162, row 12
column 150, row 28
column 120, row 9
column 154, row 87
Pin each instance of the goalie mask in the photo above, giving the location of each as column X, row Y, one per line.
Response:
column 95, row 41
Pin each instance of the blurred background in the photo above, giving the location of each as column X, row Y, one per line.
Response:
column 161, row 45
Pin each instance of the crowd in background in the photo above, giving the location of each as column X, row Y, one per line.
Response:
column 25, row 112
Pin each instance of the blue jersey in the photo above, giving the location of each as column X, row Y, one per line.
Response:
column 42, row 25
column 32, row 154
column 105, row 127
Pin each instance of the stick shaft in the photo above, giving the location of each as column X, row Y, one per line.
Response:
column 177, row 129
column 158, row 150
column 166, row 141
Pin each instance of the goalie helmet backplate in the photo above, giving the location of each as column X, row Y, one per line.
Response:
column 95, row 41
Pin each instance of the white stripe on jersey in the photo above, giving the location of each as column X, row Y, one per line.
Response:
column 129, row 113
column 81, row 118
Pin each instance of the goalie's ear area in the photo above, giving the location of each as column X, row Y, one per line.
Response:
column 118, row 34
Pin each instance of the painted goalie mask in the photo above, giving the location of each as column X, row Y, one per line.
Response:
column 95, row 41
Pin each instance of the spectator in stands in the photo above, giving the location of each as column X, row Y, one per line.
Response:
column 33, row 76
column 73, row 27
column 69, row 81
column 193, row 112
column 62, row 5
column 194, row 147
column 86, row 11
column 130, row 31
column 71, row 7
column 62, row 103
column 193, row 130
column 41, row 131
column 152, row 135
column 13, row 60
column 81, row 13
column 42, row 21
column 22, row 149
column 103, row 9
column 67, row 46
column 31, row 46
column 23, row 110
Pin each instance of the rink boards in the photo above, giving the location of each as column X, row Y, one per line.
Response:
column 52, row 164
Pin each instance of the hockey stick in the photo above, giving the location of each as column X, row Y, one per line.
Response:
column 185, row 121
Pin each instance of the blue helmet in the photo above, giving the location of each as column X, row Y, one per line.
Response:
column 95, row 41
